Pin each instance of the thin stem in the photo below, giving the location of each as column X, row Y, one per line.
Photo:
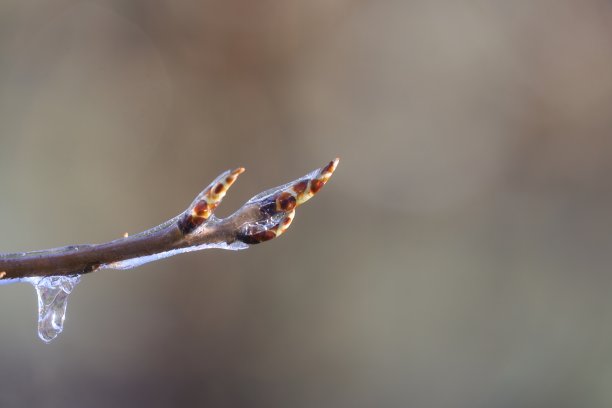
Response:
column 263, row 217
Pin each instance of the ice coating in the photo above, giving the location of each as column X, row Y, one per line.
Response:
column 52, row 294
column 17, row 280
column 135, row 262
column 277, row 205
column 55, row 272
column 203, row 207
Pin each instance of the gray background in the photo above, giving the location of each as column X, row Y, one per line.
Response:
column 459, row 257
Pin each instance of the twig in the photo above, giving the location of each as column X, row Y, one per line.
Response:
column 263, row 217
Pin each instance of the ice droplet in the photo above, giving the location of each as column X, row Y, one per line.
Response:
column 52, row 294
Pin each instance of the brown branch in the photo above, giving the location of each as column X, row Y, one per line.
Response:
column 263, row 217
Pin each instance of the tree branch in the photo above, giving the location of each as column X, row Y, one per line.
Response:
column 263, row 217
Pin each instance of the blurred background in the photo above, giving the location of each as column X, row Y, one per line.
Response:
column 459, row 257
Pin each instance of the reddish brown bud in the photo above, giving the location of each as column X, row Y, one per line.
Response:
column 285, row 202
column 300, row 187
column 188, row 223
column 257, row 237
column 329, row 167
column 201, row 209
column 316, row 185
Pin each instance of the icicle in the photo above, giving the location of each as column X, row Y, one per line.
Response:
column 52, row 294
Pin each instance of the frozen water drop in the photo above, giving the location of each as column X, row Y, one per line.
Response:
column 53, row 294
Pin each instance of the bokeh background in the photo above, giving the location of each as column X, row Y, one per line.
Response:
column 459, row 257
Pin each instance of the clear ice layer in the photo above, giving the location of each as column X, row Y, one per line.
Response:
column 52, row 294
column 262, row 225
column 53, row 291
column 135, row 262
column 275, row 190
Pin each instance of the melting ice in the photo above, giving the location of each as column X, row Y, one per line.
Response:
column 53, row 291
column 52, row 294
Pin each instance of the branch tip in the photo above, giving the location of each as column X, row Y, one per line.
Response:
column 277, row 206
column 262, row 218
column 204, row 205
